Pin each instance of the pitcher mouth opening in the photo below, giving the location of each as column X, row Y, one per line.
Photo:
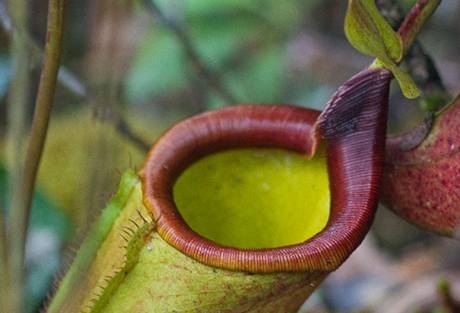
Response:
column 254, row 198
column 259, row 126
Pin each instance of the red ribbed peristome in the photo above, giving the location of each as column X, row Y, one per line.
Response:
column 354, row 163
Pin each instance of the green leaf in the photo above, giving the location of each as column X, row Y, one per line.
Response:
column 369, row 33
column 405, row 81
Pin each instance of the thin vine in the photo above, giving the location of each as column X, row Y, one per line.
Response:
column 22, row 197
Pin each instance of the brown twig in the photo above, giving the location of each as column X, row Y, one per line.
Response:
column 3, row 264
column 409, row 28
column 449, row 304
column 18, row 100
column 209, row 76
column 22, row 198
column 122, row 127
column 412, row 22
column 111, row 115
column 421, row 65
column 415, row 19
column 74, row 85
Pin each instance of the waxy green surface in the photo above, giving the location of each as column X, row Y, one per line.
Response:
column 255, row 198
column 272, row 198
column 164, row 280
column 108, row 253
column 369, row 33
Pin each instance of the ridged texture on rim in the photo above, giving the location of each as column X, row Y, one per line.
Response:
column 355, row 156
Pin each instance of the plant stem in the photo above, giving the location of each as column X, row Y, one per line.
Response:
column 123, row 128
column 415, row 20
column 73, row 84
column 413, row 23
column 3, row 264
column 16, row 121
column 431, row 82
column 22, row 198
column 421, row 65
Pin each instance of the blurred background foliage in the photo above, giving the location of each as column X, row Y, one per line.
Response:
column 133, row 68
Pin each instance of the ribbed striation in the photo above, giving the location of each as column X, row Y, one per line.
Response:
column 355, row 150
column 346, row 112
